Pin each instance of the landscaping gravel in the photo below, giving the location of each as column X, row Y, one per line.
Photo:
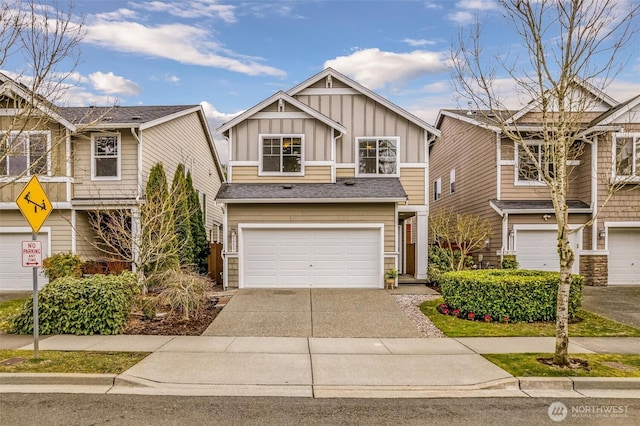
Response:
column 410, row 303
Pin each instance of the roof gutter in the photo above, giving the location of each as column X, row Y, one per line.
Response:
column 310, row 200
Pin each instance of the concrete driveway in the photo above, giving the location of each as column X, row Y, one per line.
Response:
column 312, row 313
column 619, row 303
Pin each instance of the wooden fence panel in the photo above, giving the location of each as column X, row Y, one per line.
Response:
column 215, row 263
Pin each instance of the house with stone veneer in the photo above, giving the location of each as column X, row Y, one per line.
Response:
column 475, row 169
column 326, row 187
column 90, row 158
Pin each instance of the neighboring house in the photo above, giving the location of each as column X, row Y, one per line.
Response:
column 325, row 183
column 93, row 158
column 475, row 169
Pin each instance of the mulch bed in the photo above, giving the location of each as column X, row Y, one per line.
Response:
column 169, row 323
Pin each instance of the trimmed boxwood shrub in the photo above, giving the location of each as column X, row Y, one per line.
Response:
column 521, row 295
column 95, row 305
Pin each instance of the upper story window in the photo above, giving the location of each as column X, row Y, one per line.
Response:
column 437, row 189
column 452, row 181
column 626, row 156
column 378, row 156
column 528, row 173
column 25, row 153
column 281, row 154
column 105, row 156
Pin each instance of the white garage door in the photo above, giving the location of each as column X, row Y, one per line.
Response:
column 323, row 258
column 624, row 255
column 13, row 276
column 538, row 249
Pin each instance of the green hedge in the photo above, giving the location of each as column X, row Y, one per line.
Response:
column 95, row 305
column 522, row 295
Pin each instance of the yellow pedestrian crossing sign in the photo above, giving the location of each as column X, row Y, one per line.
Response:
column 34, row 204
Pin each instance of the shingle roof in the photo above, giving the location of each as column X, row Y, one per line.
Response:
column 120, row 114
column 513, row 206
column 357, row 189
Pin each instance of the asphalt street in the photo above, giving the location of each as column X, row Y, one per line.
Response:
column 61, row 409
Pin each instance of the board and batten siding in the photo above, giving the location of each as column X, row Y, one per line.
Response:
column 313, row 213
column 317, row 137
column 363, row 116
column 124, row 188
column 312, row 174
column 183, row 140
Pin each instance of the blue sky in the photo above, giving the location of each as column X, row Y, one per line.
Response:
column 230, row 55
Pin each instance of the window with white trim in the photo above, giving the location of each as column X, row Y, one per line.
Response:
column 25, row 153
column 281, row 154
column 378, row 156
column 626, row 155
column 452, row 181
column 105, row 156
column 527, row 170
column 437, row 189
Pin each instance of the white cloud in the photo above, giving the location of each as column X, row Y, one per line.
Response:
column 190, row 9
column 477, row 4
column 173, row 79
column 215, row 119
column 182, row 43
column 418, row 43
column 112, row 84
column 461, row 17
column 119, row 14
column 468, row 9
column 375, row 68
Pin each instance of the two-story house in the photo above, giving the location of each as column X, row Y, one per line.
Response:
column 90, row 159
column 326, row 187
column 475, row 169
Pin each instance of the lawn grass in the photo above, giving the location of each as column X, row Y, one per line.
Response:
column 70, row 362
column 9, row 309
column 592, row 325
column 599, row 365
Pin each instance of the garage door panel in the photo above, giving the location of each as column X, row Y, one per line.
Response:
column 538, row 250
column 624, row 256
column 322, row 257
column 13, row 276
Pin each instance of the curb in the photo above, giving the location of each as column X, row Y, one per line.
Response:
column 523, row 384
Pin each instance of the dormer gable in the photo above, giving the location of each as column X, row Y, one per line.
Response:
column 280, row 105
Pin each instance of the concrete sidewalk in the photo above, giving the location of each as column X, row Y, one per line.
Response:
column 323, row 367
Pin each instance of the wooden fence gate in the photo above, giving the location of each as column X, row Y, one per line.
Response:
column 215, row 263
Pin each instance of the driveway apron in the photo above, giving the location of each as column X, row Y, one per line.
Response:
column 312, row 313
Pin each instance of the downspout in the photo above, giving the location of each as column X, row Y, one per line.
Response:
column 333, row 156
column 135, row 212
column 498, row 166
column 594, row 193
column 225, row 259
column 138, row 137
column 68, row 186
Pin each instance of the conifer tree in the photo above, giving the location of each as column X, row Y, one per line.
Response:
column 198, row 230
column 181, row 217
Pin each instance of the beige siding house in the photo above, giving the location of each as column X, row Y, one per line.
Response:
column 93, row 158
column 323, row 182
column 490, row 182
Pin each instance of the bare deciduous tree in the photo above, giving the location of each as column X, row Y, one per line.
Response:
column 459, row 234
column 565, row 42
column 45, row 38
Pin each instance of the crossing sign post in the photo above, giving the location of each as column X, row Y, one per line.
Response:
column 35, row 207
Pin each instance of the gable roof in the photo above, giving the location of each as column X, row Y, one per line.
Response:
column 580, row 83
column 125, row 116
column 614, row 113
column 356, row 190
column 289, row 99
column 369, row 93
column 11, row 87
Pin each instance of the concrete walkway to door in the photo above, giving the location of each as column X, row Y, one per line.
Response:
column 312, row 313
